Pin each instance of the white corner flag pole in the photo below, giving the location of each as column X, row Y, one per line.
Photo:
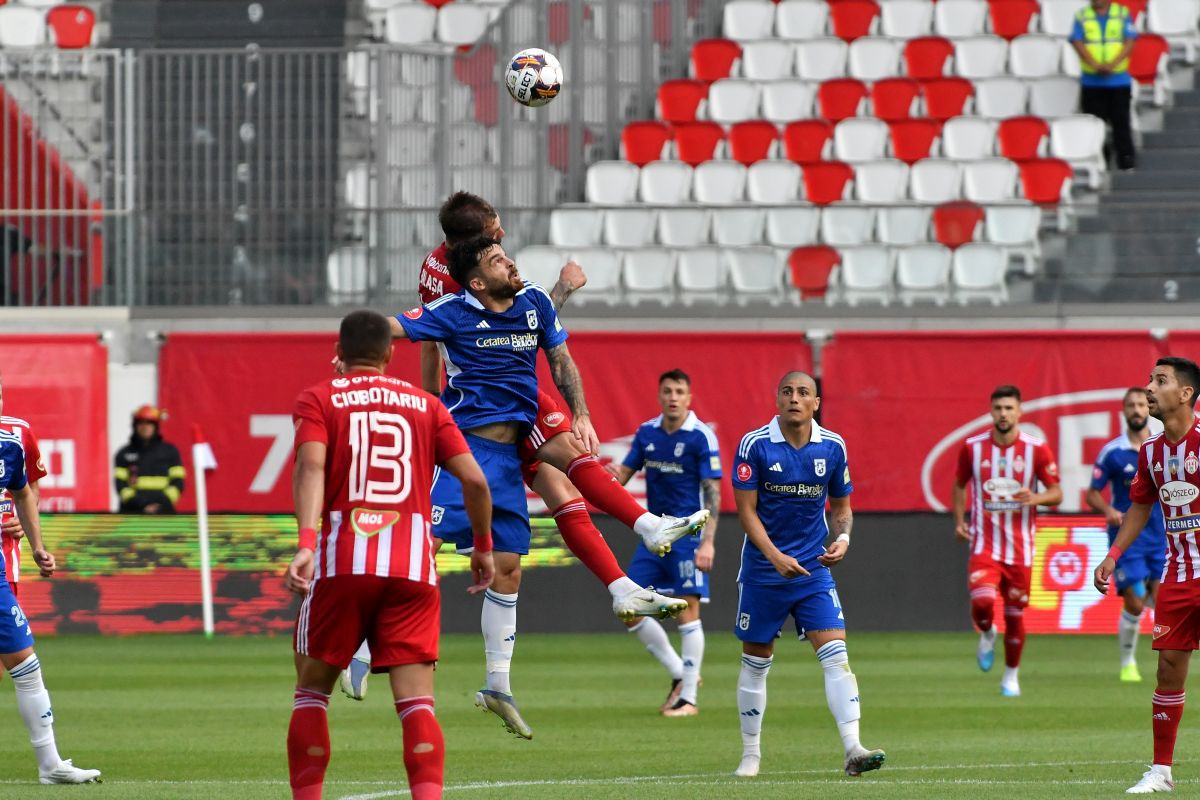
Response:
column 202, row 461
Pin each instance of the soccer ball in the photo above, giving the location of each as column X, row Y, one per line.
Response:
column 533, row 77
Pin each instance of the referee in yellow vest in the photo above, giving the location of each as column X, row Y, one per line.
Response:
column 1103, row 36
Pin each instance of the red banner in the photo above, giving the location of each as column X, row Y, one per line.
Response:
column 906, row 402
column 59, row 384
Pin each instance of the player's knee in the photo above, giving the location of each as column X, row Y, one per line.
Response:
column 1172, row 670
column 554, row 488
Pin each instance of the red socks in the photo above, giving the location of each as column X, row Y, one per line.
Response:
column 602, row 490
column 983, row 607
column 424, row 748
column 587, row 543
column 1014, row 635
column 1168, row 711
column 308, row 744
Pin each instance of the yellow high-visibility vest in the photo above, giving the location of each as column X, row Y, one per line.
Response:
column 1103, row 43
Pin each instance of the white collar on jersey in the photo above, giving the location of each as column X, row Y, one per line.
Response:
column 777, row 432
column 689, row 424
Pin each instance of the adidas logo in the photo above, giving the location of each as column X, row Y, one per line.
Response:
column 775, row 467
column 1130, row 468
column 650, row 448
column 1162, row 716
column 483, row 324
column 512, row 637
column 1158, row 467
column 754, row 712
column 689, row 663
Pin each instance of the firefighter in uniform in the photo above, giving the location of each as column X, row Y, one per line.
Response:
column 1103, row 37
column 148, row 472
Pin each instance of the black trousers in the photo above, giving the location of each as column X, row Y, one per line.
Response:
column 1112, row 106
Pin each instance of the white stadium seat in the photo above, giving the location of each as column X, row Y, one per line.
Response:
column 756, row 274
column 1001, row 98
column 767, row 60
column 796, row 226
column 748, row 19
column 603, row 268
column 483, row 181
column 903, row 225
column 376, row 11
column 467, row 143
column 957, row 18
column 801, row 19
column 784, row 101
column 542, row 264
column 1058, row 16
column 461, row 23
column 905, row 19
column 418, row 186
column 923, row 273
column 701, row 274
column 968, row 138
column 1015, row 228
column 458, row 101
column 843, row 225
column 719, row 182
column 989, row 180
column 576, row 227
column 665, row 183
column 821, row 59
column 683, row 227
column 611, row 183
column 978, row 273
column 22, row 27
column 649, row 275
column 410, row 23
column 1034, row 56
column 884, row 181
column 773, row 181
column 978, row 56
column 629, row 227
column 1053, row 97
column 865, row 274
column 1176, row 20
column 347, row 270
column 1079, row 140
column 732, row 100
column 737, row 227
column 873, row 57
column 1070, row 61
column 860, row 139
column 934, row 180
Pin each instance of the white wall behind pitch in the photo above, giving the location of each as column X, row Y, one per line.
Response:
column 129, row 386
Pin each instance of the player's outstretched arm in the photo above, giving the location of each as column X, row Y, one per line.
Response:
column 26, row 505
column 397, row 329
column 841, row 520
column 710, row 490
column 308, row 496
column 477, row 498
column 1131, row 527
column 747, row 506
column 571, row 278
column 1097, row 503
column 570, row 386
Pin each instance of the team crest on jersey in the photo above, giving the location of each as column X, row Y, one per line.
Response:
column 415, row 313
column 744, row 472
column 1159, row 630
column 1002, row 464
column 367, row 523
column 438, row 513
column 819, row 467
column 1019, row 464
column 1191, row 464
column 678, row 449
column 553, row 419
column 2, row 468
column 531, row 319
column 1172, row 466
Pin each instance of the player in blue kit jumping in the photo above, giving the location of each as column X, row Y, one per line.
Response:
column 783, row 474
column 1140, row 568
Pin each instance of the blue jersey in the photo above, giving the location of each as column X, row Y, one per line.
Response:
column 675, row 463
column 792, row 485
column 1116, row 465
column 490, row 356
column 12, row 474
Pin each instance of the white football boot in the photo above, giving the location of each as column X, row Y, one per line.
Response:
column 748, row 768
column 66, row 772
column 647, row 603
column 671, row 530
column 1156, row 779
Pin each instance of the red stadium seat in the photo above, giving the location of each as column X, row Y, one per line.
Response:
column 712, row 59
column 678, row 100
column 892, row 98
column 1011, row 18
column 810, row 268
column 852, row 19
column 438, row 3
column 955, row 223
column 751, row 141
column 946, row 97
column 72, row 26
column 912, row 139
column 926, row 56
column 805, row 140
column 558, row 20
column 487, row 107
column 475, row 70
column 1042, row 179
column 825, row 182
column 840, row 98
column 644, row 141
column 1136, row 9
column 1021, row 138
column 696, row 142
column 558, row 142
column 1148, row 50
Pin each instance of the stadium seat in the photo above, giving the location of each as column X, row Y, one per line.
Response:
column 859, row 139
column 410, row 23
column 843, row 225
column 1058, row 17
column 1001, row 98
column 732, row 100
column 458, row 100
column 1053, row 96
column 347, row 270
column 865, row 273
column 923, row 273
column 905, row 19
column 697, row 142
column 665, row 183
column 852, row 19
column 1021, row 138
column 1033, row 55
column 946, row 97
column 541, row 264
column 755, row 274
column 978, row 57
column 611, row 183
column 1011, row 18
column 807, row 140
column 903, row 225
column 376, row 12
column 784, row 101
column 801, row 19
column 1070, row 59
column 702, row 275
column 934, row 180
column 776, row 182
column 894, row 98
column 1079, row 140
column 719, row 183
column 1046, row 181
column 793, row 226
column 466, row 143
column 840, row 98
column 603, row 267
column 884, row 181
column 1148, row 66
column 683, row 227
column 22, row 27
column 989, row 180
column 957, row 222
column 1015, row 228
column 644, row 141
column 461, row 23
column 737, row 227
column 648, row 275
column 811, row 268
column 71, row 26
column 826, row 181
column 1137, row 10
column 481, row 180
column 1175, row 20
column 753, row 141
column 967, row 138
column 873, row 57
column 767, row 60
column 477, row 67
column 629, row 227
column 418, row 186
column 821, row 59
column 748, row 19
column 926, row 56
column 679, row 100
column 576, row 227
column 713, row 59
column 912, row 139
column 958, row 18
column 978, row 273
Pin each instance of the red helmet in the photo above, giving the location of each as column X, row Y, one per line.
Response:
column 149, row 413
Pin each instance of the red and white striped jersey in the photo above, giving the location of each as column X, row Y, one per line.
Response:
column 35, row 468
column 1000, row 525
column 384, row 437
column 434, row 280
column 1169, row 474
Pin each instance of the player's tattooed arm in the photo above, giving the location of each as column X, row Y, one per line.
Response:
column 710, row 490
column 841, row 520
column 570, row 386
column 571, row 278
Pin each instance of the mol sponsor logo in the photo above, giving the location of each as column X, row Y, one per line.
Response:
column 367, row 522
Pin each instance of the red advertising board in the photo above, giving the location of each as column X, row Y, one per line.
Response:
column 59, row 384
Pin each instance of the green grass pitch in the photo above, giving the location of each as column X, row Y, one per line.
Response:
column 181, row 718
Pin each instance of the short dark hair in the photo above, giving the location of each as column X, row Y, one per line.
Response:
column 1186, row 372
column 463, row 216
column 464, row 257
column 1006, row 390
column 364, row 336
column 1133, row 390
column 675, row 375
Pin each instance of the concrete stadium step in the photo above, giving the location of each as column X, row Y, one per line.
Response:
column 1153, row 160
column 1172, row 138
column 1146, row 254
column 1157, row 221
column 1184, row 179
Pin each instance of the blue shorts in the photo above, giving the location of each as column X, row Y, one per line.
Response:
column 1138, row 566
column 674, row 574
column 15, row 633
column 763, row 608
column 510, row 512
